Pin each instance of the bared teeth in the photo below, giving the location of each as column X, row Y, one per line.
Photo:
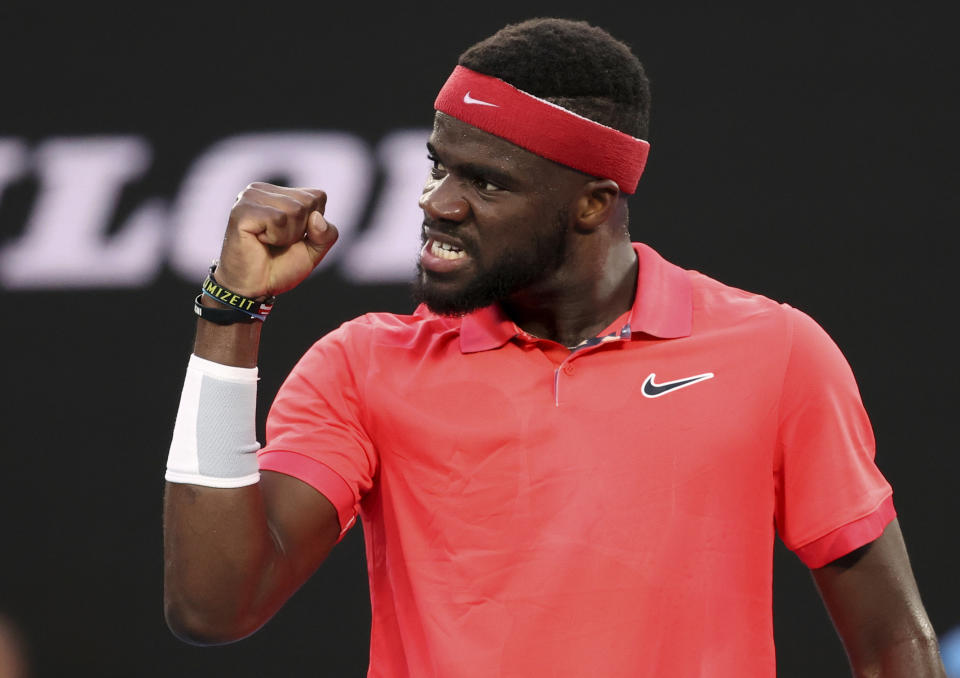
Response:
column 446, row 251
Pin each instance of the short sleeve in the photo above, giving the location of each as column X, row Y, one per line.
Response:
column 831, row 497
column 315, row 430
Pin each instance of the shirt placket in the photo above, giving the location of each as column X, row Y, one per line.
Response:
column 589, row 345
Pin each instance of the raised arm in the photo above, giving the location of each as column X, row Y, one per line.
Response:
column 233, row 555
column 874, row 603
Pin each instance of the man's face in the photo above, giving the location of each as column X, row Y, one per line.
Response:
column 495, row 219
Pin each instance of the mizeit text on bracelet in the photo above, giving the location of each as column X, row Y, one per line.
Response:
column 230, row 298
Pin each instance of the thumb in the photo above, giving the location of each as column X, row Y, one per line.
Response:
column 319, row 237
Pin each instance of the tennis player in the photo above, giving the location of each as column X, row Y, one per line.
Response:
column 573, row 458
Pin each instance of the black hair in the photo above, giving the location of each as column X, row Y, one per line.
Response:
column 572, row 64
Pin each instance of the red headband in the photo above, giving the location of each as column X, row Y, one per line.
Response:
column 543, row 128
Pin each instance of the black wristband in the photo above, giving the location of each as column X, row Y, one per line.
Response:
column 256, row 308
column 221, row 316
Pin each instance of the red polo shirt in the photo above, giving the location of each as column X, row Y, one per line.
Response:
column 609, row 511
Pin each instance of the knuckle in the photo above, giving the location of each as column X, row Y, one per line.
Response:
column 277, row 217
column 249, row 196
column 297, row 209
column 316, row 197
column 312, row 199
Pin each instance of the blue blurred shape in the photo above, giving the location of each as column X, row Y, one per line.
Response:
column 950, row 650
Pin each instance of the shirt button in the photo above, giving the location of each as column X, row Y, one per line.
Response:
column 568, row 369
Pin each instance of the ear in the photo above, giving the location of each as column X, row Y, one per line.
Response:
column 596, row 204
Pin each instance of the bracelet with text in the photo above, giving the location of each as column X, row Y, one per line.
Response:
column 256, row 309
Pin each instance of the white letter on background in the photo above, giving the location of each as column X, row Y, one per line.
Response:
column 337, row 162
column 64, row 242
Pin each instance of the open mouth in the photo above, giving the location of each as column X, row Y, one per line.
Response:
column 443, row 250
column 440, row 256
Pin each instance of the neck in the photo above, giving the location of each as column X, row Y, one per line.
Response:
column 580, row 300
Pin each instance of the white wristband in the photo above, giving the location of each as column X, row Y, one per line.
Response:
column 214, row 440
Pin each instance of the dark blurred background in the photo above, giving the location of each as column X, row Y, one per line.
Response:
column 806, row 152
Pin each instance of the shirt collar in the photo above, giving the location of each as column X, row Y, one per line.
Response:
column 662, row 307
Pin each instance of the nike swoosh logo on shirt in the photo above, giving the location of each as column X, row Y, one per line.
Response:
column 467, row 99
column 653, row 390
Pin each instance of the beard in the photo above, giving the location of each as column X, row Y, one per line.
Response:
column 513, row 271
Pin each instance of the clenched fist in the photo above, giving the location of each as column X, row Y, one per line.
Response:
column 275, row 237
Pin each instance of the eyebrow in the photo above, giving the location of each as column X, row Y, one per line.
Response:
column 472, row 170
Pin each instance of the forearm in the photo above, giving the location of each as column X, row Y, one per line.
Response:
column 238, row 542
column 237, row 344
column 217, row 545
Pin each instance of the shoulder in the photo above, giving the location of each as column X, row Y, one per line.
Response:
column 716, row 304
column 356, row 348
column 764, row 323
column 381, row 330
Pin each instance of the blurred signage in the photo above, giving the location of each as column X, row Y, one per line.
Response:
column 67, row 240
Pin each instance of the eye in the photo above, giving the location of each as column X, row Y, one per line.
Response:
column 437, row 170
column 486, row 186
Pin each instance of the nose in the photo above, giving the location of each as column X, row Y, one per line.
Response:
column 442, row 200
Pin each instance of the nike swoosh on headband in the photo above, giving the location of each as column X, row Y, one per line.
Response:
column 467, row 99
column 651, row 389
